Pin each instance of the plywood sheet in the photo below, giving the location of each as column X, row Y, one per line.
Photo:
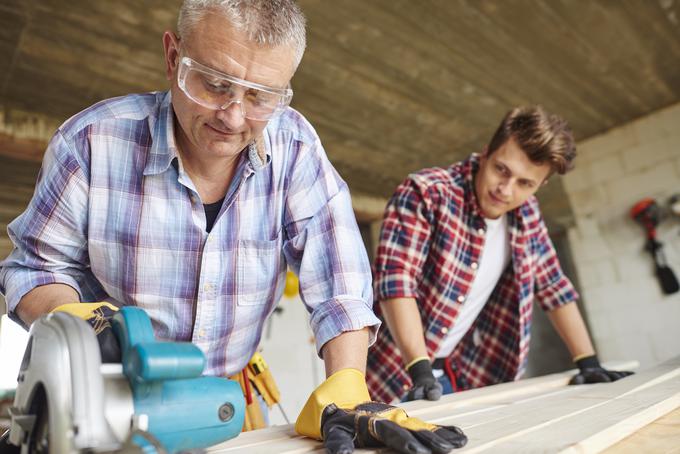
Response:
column 537, row 415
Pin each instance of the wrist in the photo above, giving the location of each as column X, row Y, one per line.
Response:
column 421, row 369
column 587, row 362
column 416, row 360
column 345, row 389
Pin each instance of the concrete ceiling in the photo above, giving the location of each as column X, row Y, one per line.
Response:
column 390, row 85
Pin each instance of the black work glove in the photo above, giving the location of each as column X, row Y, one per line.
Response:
column 590, row 371
column 425, row 386
column 99, row 316
column 373, row 424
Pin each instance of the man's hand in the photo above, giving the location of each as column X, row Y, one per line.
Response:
column 340, row 413
column 98, row 315
column 425, row 386
column 590, row 371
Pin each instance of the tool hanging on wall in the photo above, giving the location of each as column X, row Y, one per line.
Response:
column 648, row 213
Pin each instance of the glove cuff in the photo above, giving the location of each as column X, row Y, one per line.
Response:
column 86, row 310
column 346, row 389
column 589, row 362
column 420, row 369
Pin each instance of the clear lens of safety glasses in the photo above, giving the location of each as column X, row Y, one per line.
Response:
column 216, row 90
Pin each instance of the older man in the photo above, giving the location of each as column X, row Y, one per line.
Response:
column 191, row 204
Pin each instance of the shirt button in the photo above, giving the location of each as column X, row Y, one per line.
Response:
column 444, row 330
column 460, row 298
column 480, row 231
column 474, row 265
column 405, row 387
column 208, row 287
column 201, row 333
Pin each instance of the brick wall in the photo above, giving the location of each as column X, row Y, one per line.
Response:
column 630, row 317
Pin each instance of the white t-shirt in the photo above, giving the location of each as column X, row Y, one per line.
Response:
column 494, row 258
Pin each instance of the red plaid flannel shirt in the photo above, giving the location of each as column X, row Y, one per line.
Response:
column 430, row 243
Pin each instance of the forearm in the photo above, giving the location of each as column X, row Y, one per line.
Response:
column 572, row 329
column 42, row 300
column 405, row 325
column 348, row 350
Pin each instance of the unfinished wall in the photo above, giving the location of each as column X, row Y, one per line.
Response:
column 630, row 317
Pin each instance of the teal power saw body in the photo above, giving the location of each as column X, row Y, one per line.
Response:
column 67, row 401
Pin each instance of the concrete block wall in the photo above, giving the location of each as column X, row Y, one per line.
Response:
column 629, row 316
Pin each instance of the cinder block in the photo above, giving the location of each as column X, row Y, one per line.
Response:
column 608, row 299
column 635, row 346
column 591, row 249
column 622, row 233
column 587, row 202
column 588, row 226
column 588, row 275
column 663, row 329
column 607, row 272
column 633, row 267
column 625, row 136
column 650, row 128
column 599, row 273
column 599, row 146
column 644, row 291
column 578, row 179
column 648, row 183
column 607, row 168
column 649, row 154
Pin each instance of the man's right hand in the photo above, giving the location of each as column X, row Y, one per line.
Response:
column 340, row 413
column 425, row 385
column 98, row 315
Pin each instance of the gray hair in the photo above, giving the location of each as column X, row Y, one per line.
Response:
column 266, row 22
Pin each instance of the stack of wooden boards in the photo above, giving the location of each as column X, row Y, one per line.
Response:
column 640, row 413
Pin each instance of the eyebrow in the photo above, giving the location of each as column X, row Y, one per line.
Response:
column 527, row 180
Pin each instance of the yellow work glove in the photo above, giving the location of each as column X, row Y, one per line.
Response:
column 98, row 315
column 340, row 413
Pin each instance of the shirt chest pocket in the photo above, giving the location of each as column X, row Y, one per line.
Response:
column 259, row 264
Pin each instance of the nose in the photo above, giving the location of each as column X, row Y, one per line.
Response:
column 505, row 189
column 232, row 114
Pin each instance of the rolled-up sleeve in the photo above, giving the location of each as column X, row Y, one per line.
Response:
column 404, row 243
column 49, row 237
column 324, row 248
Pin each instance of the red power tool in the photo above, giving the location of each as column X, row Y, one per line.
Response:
column 648, row 213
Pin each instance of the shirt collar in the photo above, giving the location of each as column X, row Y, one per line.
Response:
column 470, row 167
column 164, row 149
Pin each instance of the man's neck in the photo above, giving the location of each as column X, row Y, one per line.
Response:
column 211, row 177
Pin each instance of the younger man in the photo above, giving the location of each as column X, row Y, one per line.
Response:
column 463, row 254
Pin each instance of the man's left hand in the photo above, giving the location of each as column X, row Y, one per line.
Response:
column 590, row 371
column 340, row 413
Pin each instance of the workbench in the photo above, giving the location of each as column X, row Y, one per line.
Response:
column 638, row 414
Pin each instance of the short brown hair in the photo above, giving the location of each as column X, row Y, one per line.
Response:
column 544, row 137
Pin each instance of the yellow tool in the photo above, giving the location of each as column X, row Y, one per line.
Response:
column 263, row 380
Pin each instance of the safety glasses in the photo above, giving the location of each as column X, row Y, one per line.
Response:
column 216, row 90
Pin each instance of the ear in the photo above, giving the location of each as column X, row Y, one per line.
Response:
column 171, row 48
column 484, row 155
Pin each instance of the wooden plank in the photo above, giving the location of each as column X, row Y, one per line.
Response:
column 469, row 410
column 661, row 437
column 588, row 421
column 503, row 391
